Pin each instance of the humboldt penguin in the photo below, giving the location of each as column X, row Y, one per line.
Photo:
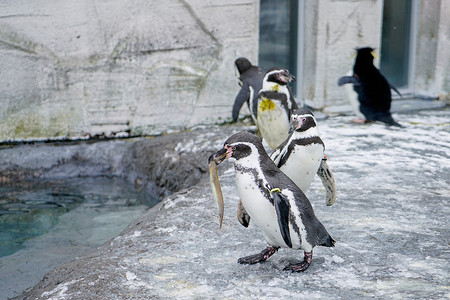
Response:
column 374, row 91
column 301, row 155
column 250, row 79
column 275, row 105
column 274, row 202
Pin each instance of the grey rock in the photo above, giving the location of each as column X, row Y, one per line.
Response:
column 390, row 223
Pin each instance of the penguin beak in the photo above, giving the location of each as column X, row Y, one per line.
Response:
column 286, row 77
column 291, row 78
column 296, row 124
column 220, row 155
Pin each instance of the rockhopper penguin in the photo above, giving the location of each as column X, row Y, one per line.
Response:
column 250, row 79
column 275, row 105
column 374, row 91
column 301, row 155
column 275, row 203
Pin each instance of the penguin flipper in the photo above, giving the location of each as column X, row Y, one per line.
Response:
column 347, row 79
column 276, row 156
column 282, row 209
column 242, row 96
column 243, row 216
column 328, row 182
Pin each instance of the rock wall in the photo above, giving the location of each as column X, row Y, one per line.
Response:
column 334, row 28
column 119, row 68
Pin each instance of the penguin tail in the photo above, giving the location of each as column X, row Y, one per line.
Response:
column 329, row 242
column 389, row 120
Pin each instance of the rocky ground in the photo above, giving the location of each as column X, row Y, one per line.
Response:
column 390, row 223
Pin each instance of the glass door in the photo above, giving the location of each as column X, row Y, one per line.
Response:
column 278, row 35
column 396, row 55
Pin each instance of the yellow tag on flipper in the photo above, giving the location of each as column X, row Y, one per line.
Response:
column 267, row 104
column 275, row 190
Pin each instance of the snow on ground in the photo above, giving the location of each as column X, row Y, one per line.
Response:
column 390, row 223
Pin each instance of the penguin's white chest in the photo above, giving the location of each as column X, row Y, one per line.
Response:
column 261, row 210
column 273, row 122
column 303, row 163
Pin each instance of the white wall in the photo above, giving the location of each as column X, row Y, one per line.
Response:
column 143, row 67
column 334, row 28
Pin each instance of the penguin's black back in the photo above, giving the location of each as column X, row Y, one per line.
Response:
column 374, row 92
column 317, row 235
column 250, row 76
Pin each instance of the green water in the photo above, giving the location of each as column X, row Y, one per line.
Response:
column 45, row 224
column 94, row 209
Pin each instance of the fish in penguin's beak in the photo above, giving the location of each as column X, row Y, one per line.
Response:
column 214, row 160
column 218, row 157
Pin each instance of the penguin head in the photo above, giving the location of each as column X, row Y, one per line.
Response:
column 365, row 55
column 238, row 146
column 279, row 76
column 302, row 119
column 242, row 64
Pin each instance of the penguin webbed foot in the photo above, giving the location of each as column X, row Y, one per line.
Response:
column 257, row 258
column 301, row 266
column 361, row 121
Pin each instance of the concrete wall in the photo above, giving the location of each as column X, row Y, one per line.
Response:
column 118, row 68
column 432, row 76
column 334, row 28
column 84, row 68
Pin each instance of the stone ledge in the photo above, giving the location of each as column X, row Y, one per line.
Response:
column 386, row 242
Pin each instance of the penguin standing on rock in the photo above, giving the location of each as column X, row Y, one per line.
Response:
column 250, row 80
column 275, row 105
column 374, row 91
column 301, row 155
column 275, row 203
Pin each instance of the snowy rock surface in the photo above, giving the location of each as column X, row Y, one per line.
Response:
column 390, row 223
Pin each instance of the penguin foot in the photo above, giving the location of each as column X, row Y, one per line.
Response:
column 360, row 121
column 257, row 258
column 302, row 266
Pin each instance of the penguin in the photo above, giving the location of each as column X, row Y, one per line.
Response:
column 301, row 155
column 374, row 91
column 250, row 79
column 275, row 105
column 275, row 203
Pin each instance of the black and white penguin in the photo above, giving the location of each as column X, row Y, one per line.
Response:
column 275, row 105
column 273, row 201
column 250, row 79
column 374, row 91
column 301, row 155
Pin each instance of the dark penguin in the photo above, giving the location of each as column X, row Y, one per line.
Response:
column 301, row 155
column 250, row 80
column 275, row 105
column 276, row 205
column 374, row 91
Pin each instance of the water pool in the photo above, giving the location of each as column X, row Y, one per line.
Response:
column 46, row 223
